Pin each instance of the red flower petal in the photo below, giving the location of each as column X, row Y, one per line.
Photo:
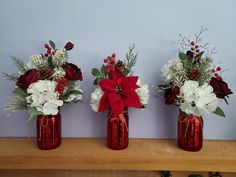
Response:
column 128, row 84
column 117, row 107
column 113, row 97
column 107, row 85
column 116, row 75
column 104, row 104
column 132, row 100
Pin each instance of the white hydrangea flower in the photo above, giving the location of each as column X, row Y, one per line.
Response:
column 36, row 61
column 60, row 57
column 143, row 93
column 58, row 72
column 75, row 97
column 198, row 100
column 95, row 99
column 43, row 97
column 167, row 74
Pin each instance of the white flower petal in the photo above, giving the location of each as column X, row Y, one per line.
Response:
column 95, row 99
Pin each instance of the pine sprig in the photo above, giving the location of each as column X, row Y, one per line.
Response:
column 131, row 59
column 11, row 77
column 19, row 64
column 20, row 103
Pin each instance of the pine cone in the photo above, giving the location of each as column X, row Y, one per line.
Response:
column 120, row 66
column 44, row 74
column 194, row 74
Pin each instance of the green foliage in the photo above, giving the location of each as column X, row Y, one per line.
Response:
column 96, row 81
column 18, row 91
column 19, row 64
column 182, row 56
column 195, row 175
column 76, row 92
column 103, row 71
column 205, row 68
column 199, row 55
column 131, row 58
column 52, row 44
column 96, row 72
column 219, row 112
column 33, row 112
column 11, row 77
column 71, row 90
column 187, row 63
column 165, row 174
column 99, row 74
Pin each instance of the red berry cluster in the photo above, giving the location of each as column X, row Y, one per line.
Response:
column 110, row 61
column 195, row 47
column 216, row 71
column 61, row 84
column 49, row 50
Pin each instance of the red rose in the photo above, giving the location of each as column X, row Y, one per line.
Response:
column 28, row 78
column 69, row 46
column 72, row 72
column 220, row 88
column 171, row 95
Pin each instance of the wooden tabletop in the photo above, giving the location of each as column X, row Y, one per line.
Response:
column 142, row 154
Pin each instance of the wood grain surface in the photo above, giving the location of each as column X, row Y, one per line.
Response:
column 141, row 155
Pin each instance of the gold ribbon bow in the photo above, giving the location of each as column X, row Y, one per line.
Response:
column 121, row 117
column 188, row 120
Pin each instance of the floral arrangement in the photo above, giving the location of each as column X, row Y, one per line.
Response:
column 46, row 82
column 192, row 82
column 118, row 88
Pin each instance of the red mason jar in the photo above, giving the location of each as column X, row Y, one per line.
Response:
column 190, row 132
column 48, row 131
column 117, row 131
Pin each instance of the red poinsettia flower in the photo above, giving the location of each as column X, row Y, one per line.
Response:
column 119, row 92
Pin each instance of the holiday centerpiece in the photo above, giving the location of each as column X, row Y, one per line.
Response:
column 43, row 85
column 117, row 91
column 195, row 85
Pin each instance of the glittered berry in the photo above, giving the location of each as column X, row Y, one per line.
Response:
column 197, row 50
column 107, row 66
column 105, row 60
column 196, row 46
column 113, row 62
column 46, row 54
column 192, row 48
column 46, row 46
column 218, row 68
column 108, row 57
column 113, row 55
column 213, row 71
column 216, row 74
column 192, row 43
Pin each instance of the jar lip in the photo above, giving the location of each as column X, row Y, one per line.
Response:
column 125, row 109
column 50, row 116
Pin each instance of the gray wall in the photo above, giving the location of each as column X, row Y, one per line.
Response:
column 99, row 28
